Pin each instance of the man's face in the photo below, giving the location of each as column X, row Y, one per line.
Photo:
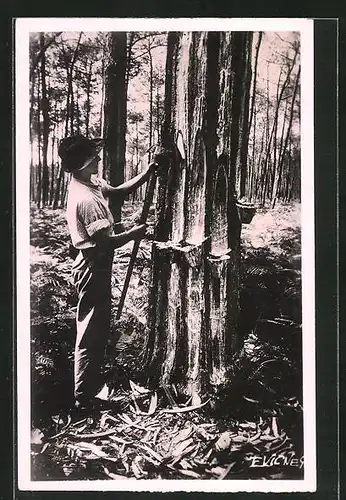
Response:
column 93, row 165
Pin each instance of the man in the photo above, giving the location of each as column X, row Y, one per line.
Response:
column 90, row 224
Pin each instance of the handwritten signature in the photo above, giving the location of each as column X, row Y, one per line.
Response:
column 289, row 459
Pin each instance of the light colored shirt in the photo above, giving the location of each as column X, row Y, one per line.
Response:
column 87, row 211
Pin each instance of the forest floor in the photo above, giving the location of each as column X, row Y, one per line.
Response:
column 249, row 429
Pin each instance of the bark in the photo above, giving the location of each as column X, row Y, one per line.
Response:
column 245, row 117
column 39, row 150
column 45, row 124
column 253, row 99
column 57, row 194
column 151, row 94
column 115, row 115
column 194, row 297
column 102, row 103
column 53, row 173
column 76, row 109
column 158, row 115
column 88, row 106
column 253, row 169
column 31, row 135
column 253, row 116
column 67, row 117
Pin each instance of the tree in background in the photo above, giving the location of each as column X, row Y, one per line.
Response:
column 115, row 114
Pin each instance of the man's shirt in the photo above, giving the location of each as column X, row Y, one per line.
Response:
column 87, row 211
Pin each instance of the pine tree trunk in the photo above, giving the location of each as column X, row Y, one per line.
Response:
column 102, row 102
column 31, row 118
column 67, row 116
column 39, row 148
column 253, row 99
column 69, row 97
column 45, row 124
column 253, row 166
column 194, row 297
column 57, row 188
column 253, row 117
column 87, row 105
column 245, row 118
column 151, row 96
column 115, row 115
column 52, row 179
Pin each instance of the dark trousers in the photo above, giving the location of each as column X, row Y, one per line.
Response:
column 92, row 277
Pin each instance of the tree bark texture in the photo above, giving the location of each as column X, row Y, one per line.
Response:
column 45, row 123
column 194, row 296
column 243, row 174
column 115, row 114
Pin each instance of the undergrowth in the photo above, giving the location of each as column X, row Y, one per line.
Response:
column 265, row 378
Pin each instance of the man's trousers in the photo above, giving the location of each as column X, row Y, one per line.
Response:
column 91, row 274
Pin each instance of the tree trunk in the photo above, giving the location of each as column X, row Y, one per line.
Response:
column 39, row 148
column 151, row 94
column 253, row 99
column 45, row 124
column 253, row 166
column 57, row 193
column 67, row 117
column 157, row 115
column 263, row 173
column 102, row 103
column 115, row 115
column 69, row 96
column 72, row 110
column 77, row 113
column 87, row 105
column 54, row 139
column 245, row 117
column 31, row 135
column 253, row 116
column 194, row 297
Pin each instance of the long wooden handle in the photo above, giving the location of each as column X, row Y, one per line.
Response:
column 149, row 195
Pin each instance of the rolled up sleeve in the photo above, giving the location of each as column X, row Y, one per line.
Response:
column 94, row 217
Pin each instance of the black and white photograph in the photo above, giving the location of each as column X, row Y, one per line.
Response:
column 165, row 254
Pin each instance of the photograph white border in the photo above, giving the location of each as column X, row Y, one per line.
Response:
column 23, row 27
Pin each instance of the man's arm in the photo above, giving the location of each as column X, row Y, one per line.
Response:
column 132, row 184
column 103, row 240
